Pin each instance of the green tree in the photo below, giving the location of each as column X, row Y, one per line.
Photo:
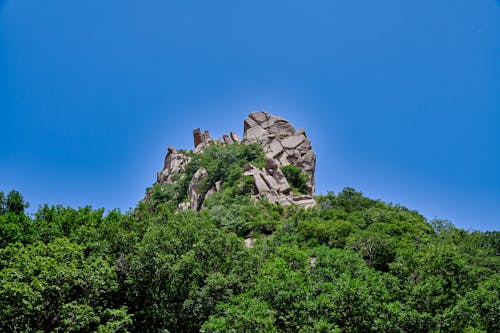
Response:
column 296, row 178
column 242, row 314
column 54, row 287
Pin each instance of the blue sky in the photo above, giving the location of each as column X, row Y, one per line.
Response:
column 401, row 99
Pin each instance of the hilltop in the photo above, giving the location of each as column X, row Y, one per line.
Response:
column 283, row 175
column 232, row 238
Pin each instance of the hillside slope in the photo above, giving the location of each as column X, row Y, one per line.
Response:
column 236, row 262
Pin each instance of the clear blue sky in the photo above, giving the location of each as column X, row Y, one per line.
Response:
column 401, row 99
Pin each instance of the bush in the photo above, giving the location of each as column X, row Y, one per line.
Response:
column 296, row 178
column 333, row 234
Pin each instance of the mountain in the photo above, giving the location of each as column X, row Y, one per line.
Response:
column 232, row 238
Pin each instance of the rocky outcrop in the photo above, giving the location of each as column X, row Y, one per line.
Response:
column 282, row 144
column 175, row 164
column 203, row 140
column 271, row 184
column 195, row 188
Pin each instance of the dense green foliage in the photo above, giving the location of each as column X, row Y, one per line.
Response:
column 296, row 178
column 351, row 264
column 222, row 163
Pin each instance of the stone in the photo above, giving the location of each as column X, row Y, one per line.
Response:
column 197, row 137
column 255, row 134
column 305, row 201
column 272, row 164
column 175, row 163
column 293, row 142
column 300, row 131
column 270, row 181
column 183, row 206
column 310, row 203
column 218, row 185
column 249, row 242
column 206, row 136
column 234, row 137
column 285, row 201
column 282, row 127
column 259, row 117
column 249, row 167
column 270, row 122
column 283, row 159
column 208, row 195
column 271, row 195
column 299, row 197
column 227, row 139
column 249, row 123
column 195, row 193
column 313, row 261
column 304, row 147
column 275, row 148
column 284, row 188
column 260, row 183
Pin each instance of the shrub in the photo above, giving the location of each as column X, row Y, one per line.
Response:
column 296, row 178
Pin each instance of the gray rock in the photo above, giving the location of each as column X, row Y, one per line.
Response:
column 183, row 206
column 285, row 201
column 206, row 136
column 249, row 167
column 283, row 159
column 310, row 203
column 235, row 137
column 249, row 123
column 271, row 195
column 175, row 163
column 275, row 148
column 227, row 139
column 272, row 164
column 293, row 142
column 259, row 117
column 270, row 181
column 260, row 183
column 249, row 242
column 255, row 134
column 282, row 128
column 195, row 193
column 305, row 201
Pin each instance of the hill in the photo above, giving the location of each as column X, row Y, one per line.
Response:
column 217, row 246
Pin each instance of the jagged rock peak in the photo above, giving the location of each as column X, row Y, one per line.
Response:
column 203, row 140
column 281, row 142
column 283, row 146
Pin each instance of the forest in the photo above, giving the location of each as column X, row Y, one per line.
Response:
column 350, row 264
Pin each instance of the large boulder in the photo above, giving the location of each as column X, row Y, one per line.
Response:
column 175, row 164
column 196, row 193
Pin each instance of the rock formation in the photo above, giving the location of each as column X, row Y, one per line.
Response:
column 203, row 140
column 282, row 144
column 175, row 163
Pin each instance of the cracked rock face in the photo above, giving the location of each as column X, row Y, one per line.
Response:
column 281, row 142
column 175, row 164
